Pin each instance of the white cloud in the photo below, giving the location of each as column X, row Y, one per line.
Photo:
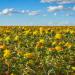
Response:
column 23, row 11
column 55, row 8
column 7, row 11
column 74, row 8
column 47, row 1
column 66, row 2
column 33, row 13
column 10, row 11
column 58, row 1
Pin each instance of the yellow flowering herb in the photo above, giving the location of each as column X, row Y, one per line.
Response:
column 7, row 53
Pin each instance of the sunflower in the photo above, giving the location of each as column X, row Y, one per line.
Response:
column 28, row 55
column 42, row 41
column 35, row 32
column 7, row 53
column 73, row 68
column 68, row 45
column 58, row 36
column 58, row 48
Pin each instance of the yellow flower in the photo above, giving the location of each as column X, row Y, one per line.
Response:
column 16, row 38
column 73, row 68
column 47, row 31
column 7, row 31
column 42, row 41
column 71, row 31
column 7, row 53
column 41, row 30
column 61, row 43
column 58, row 36
column 54, row 43
column 68, row 44
column 67, row 30
column 2, row 46
column 7, row 38
column 27, row 32
column 28, row 55
column 35, row 32
column 39, row 45
column 58, row 48
column 52, row 30
column 51, row 49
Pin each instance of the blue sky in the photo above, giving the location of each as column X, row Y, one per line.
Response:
column 37, row 12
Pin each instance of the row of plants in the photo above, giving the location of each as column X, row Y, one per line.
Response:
column 38, row 50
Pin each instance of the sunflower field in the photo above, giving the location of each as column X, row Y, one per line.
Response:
column 37, row 50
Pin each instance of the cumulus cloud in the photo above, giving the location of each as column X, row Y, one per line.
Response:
column 66, row 2
column 73, row 8
column 33, row 13
column 58, row 1
column 10, row 11
column 55, row 8
column 7, row 11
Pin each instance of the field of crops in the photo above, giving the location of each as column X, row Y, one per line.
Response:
column 38, row 50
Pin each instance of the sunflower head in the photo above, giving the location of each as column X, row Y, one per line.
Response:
column 58, row 36
column 7, row 53
column 58, row 48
